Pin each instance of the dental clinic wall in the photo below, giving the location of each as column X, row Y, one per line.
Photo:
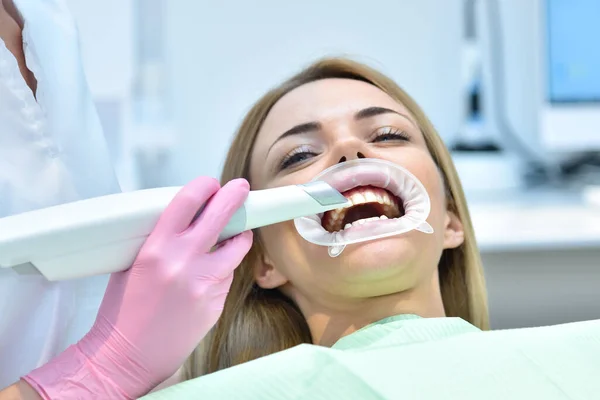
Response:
column 222, row 56
column 225, row 55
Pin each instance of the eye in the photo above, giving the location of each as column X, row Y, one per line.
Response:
column 296, row 156
column 388, row 134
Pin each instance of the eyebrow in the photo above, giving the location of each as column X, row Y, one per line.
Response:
column 315, row 126
column 374, row 111
column 300, row 129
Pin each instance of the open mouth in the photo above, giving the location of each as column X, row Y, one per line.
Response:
column 384, row 199
column 369, row 204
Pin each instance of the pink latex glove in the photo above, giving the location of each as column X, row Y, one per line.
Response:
column 154, row 314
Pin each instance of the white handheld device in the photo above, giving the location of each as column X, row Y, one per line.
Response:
column 103, row 235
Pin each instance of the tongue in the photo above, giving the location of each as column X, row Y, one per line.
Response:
column 362, row 211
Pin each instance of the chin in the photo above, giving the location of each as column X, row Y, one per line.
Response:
column 372, row 260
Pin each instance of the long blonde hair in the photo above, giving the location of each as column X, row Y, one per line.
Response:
column 257, row 322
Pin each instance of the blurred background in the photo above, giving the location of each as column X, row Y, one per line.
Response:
column 513, row 87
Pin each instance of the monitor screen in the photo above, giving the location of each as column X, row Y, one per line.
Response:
column 573, row 49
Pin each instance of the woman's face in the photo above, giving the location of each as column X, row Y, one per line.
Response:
column 314, row 127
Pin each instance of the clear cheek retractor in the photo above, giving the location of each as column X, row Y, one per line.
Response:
column 363, row 181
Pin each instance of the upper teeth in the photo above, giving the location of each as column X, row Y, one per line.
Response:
column 369, row 196
column 358, row 196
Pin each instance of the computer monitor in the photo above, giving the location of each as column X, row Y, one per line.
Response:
column 569, row 41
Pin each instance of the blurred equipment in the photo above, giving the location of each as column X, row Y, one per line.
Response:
column 474, row 135
column 569, row 110
column 541, row 62
column 486, row 144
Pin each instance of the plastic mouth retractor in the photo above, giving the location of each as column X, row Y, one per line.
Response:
column 370, row 172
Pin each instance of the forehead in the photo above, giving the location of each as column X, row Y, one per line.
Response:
column 326, row 100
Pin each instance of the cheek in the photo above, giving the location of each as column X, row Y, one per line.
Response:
column 298, row 177
column 284, row 249
column 423, row 167
column 303, row 264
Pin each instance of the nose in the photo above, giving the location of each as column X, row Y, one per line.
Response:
column 358, row 155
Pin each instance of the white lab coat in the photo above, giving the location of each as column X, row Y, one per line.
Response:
column 51, row 151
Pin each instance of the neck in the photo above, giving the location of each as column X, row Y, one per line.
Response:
column 329, row 324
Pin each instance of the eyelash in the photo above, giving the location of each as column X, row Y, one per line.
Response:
column 390, row 133
column 295, row 156
column 381, row 135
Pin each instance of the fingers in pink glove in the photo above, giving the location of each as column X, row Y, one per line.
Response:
column 218, row 211
column 154, row 315
column 226, row 258
column 178, row 216
column 206, row 229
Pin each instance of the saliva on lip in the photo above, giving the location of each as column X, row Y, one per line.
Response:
column 336, row 250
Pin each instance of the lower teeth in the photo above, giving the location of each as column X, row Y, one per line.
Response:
column 362, row 221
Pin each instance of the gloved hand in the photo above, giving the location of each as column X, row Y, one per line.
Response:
column 154, row 314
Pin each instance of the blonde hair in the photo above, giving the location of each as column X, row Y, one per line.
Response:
column 257, row 322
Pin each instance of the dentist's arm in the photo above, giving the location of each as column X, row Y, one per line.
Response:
column 154, row 314
column 10, row 33
column 19, row 391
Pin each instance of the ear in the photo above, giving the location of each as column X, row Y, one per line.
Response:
column 266, row 275
column 454, row 234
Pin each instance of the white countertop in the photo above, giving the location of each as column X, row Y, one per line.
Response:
column 536, row 221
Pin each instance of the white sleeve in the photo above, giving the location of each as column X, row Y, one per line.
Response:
column 51, row 150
